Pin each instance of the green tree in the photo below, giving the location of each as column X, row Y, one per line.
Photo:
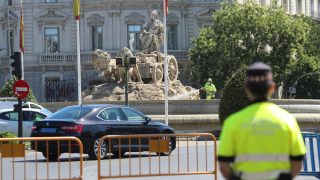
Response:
column 243, row 34
column 7, row 91
column 306, row 74
column 234, row 97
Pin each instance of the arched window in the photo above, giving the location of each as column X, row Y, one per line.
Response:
column 96, row 23
column 134, row 23
column 172, row 32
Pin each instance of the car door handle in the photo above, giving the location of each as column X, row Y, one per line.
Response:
column 108, row 128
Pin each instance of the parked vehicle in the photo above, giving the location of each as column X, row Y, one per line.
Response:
column 27, row 104
column 90, row 122
column 9, row 119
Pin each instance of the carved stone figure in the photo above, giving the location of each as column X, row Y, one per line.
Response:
column 106, row 66
column 134, row 74
column 151, row 36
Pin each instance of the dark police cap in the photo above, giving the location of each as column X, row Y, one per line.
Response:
column 259, row 69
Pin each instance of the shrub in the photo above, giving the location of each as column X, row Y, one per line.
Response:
column 8, row 135
column 234, row 97
column 7, row 91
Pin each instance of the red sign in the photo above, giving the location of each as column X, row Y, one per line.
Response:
column 21, row 89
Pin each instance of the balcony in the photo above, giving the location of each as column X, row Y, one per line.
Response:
column 85, row 57
column 64, row 58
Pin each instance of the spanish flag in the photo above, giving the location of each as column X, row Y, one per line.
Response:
column 166, row 6
column 76, row 9
column 21, row 40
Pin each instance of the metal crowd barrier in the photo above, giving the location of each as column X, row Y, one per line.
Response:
column 311, row 163
column 152, row 155
column 18, row 161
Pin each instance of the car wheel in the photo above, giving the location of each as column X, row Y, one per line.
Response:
column 171, row 146
column 94, row 150
column 118, row 154
column 51, row 156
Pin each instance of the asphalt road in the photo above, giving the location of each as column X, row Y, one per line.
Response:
column 184, row 159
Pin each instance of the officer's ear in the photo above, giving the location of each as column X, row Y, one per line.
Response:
column 272, row 88
column 248, row 93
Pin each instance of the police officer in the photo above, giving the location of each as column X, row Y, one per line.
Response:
column 261, row 141
column 210, row 89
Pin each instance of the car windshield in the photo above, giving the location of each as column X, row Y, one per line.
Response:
column 71, row 113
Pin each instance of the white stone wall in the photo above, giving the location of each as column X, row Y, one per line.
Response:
column 189, row 16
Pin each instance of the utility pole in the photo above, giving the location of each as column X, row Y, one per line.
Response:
column 17, row 72
column 126, row 62
column 126, row 65
column 293, row 87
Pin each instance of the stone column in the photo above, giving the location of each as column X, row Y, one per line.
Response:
column 183, row 30
column 117, row 30
column 109, row 31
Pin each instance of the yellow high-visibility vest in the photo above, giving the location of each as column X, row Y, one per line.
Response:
column 260, row 140
column 210, row 90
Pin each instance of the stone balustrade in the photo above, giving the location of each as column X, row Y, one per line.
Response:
column 71, row 58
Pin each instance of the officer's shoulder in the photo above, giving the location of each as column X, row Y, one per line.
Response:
column 278, row 109
column 280, row 112
column 235, row 116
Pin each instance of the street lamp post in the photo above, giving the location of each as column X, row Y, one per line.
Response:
column 126, row 62
column 292, row 89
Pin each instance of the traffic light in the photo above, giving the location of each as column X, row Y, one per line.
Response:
column 16, row 64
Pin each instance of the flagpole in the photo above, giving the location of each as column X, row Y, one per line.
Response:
column 164, row 5
column 78, row 63
column 9, row 37
column 76, row 4
column 22, row 41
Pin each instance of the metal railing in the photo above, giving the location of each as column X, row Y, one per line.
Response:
column 64, row 58
column 19, row 162
column 166, row 155
column 86, row 57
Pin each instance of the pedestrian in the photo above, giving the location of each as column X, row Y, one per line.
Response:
column 210, row 89
column 261, row 141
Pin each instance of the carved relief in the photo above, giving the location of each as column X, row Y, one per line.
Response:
column 172, row 19
column 135, row 18
column 96, row 20
column 205, row 16
column 13, row 21
column 52, row 18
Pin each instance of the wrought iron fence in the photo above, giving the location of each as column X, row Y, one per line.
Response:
column 60, row 90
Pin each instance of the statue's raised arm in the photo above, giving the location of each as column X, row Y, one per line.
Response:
column 151, row 36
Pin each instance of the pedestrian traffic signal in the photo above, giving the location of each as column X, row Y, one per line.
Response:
column 16, row 64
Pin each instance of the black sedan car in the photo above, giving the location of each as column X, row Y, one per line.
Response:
column 91, row 122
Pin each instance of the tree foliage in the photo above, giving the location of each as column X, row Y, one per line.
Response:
column 243, row 34
column 234, row 97
column 306, row 75
column 7, row 91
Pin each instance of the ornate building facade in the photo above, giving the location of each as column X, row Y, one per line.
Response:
column 50, row 36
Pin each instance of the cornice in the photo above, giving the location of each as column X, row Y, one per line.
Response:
column 135, row 18
column 13, row 21
column 172, row 19
column 96, row 20
column 52, row 18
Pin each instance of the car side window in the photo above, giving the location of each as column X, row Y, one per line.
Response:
column 12, row 116
column 25, row 105
column 133, row 115
column 33, row 116
column 110, row 114
column 34, row 106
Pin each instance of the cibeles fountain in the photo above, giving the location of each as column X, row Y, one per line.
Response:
column 146, row 74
